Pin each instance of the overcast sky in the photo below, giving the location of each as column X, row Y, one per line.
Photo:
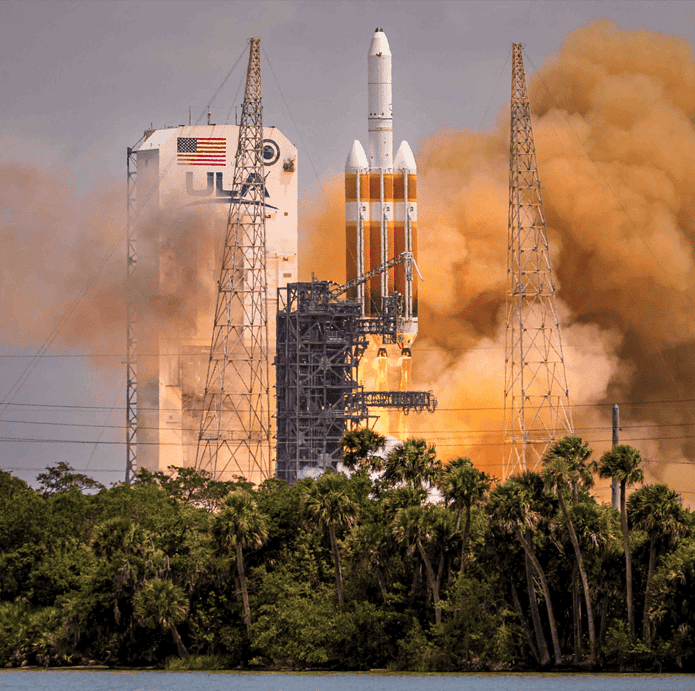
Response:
column 80, row 81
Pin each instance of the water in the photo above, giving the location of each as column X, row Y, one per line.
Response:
column 234, row 681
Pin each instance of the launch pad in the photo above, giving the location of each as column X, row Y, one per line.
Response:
column 320, row 341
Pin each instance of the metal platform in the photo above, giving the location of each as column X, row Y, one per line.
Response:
column 320, row 340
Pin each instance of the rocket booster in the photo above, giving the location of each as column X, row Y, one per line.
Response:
column 381, row 199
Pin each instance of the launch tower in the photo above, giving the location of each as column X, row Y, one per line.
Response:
column 536, row 401
column 320, row 341
column 235, row 422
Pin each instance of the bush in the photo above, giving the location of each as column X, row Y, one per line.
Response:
column 196, row 663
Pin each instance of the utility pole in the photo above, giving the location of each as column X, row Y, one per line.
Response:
column 615, row 486
column 235, row 429
column 536, row 400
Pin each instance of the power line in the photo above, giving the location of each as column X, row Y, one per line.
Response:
column 660, row 403
column 445, row 432
column 299, row 134
column 463, row 443
column 416, row 349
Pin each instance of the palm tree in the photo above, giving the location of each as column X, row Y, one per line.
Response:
column 463, row 485
column 594, row 526
column 368, row 545
column 509, row 508
column 622, row 463
column 563, row 470
column 411, row 464
column 119, row 535
column 240, row 525
column 542, row 507
column 655, row 509
column 164, row 604
column 422, row 527
column 329, row 507
column 359, row 449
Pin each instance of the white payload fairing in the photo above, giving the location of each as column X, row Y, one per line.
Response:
column 381, row 200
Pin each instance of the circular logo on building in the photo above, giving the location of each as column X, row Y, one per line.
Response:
column 271, row 152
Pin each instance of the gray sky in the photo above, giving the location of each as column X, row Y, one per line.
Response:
column 81, row 80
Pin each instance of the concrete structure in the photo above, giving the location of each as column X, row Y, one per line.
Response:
column 183, row 191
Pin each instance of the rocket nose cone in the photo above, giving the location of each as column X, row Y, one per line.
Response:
column 404, row 158
column 380, row 44
column 357, row 159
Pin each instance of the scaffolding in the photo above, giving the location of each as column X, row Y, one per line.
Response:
column 320, row 341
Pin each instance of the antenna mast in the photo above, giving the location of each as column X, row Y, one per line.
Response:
column 235, row 429
column 536, row 398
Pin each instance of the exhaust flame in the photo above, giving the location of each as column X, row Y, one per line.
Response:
column 406, row 367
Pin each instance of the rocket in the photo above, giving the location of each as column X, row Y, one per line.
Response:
column 381, row 201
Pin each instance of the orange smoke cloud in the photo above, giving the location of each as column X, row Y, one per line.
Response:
column 63, row 264
column 613, row 116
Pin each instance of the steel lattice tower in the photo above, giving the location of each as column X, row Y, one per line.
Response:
column 131, row 320
column 536, row 400
column 235, row 429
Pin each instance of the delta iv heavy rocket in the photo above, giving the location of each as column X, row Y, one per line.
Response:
column 381, row 202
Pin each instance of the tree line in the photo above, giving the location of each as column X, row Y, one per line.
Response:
column 400, row 562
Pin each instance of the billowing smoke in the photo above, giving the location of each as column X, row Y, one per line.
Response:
column 52, row 241
column 62, row 269
column 613, row 122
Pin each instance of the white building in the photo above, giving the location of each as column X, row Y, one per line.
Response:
column 184, row 178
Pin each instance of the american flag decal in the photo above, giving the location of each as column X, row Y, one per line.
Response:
column 201, row 151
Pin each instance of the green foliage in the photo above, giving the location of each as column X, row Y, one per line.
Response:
column 412, row 464
column 417, row 654
column 197, row 663
column 566, row 463
column 622, row 463
column 160, row 603
column 191, row 486
column 481, row 633
column 621, row 649
column 360, row 449
column 239, row 522
column 63, row 478
column 672, row 605
column 298, row 631
column 462, row 484
column 327, row 502
column 30, row 635
column 342, row 572
column 657, row 510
